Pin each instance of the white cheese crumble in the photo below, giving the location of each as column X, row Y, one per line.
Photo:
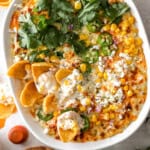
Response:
column 69, row 88
column 46, row 83
column 106, row 97
column 69, row 120
column 101, row 65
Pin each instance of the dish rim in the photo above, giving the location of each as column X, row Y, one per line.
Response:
column 34, row 126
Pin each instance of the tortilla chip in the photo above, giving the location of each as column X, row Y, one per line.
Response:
column 61, row 74
column 6, row 110
column 39, row 68
column 17, row 70
column 68, row 135
column 2, row 123
column 49, row 104
column 29, row 94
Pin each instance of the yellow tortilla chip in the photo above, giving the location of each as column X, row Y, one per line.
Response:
column 68, row 135
column 39, row 68
column 61, row 74
column 6, row 110
column 29, row 94
column 49, row 104
column 17, row 70
column 2, row 123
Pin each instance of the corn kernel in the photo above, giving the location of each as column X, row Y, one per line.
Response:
column 93, row 118
column 80, row 77
column 106, row 116
column 79, row 88
column 129, row 62
column 98, row 123
column 139, row 41
column 127, row 51
column 88, row 42
column 105, row 76
column 113, row 27
column 129, row 93
column 126, row 88
column 82, row 108
column 83, row 36
column 55, row 113
column 123, row 81
column 83, row 67
column 100, row 74
column 66, row 82
column 123, row 33
column 77, row 5
column 54, row 58
column 131, row 20
column 113, row 90
column 113, row 107
column 98, row 80
column 112, row 116
column 42, row 56
column 88, row 101
column 106, row 28
column 117, row 30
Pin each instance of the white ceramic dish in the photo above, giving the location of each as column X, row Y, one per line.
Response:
column 34, row 127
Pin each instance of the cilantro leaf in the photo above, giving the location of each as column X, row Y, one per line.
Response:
column 115, row 11
column 89, row 12
column 26, row 19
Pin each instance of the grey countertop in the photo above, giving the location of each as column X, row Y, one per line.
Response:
column 140, row 140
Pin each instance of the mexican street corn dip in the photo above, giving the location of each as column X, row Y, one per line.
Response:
column 82, row 66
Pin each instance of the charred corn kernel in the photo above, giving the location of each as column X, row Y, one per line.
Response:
column 80, row 77
column 83, row 36
column 83, row 67
column 82, row 108
column 106, row 28
column 88, row 101
column 131, row 20
column 112, row 116
column 100, row 74
column 67, row 82
column 139, row 41
column 79, row 88
column 129, row 93
column 126, row 88
column 94, row 118
column 113, row 27
column 54, row 58
column 105, row 76
column 123, row 81
column 77, row 5
column 98, row 123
